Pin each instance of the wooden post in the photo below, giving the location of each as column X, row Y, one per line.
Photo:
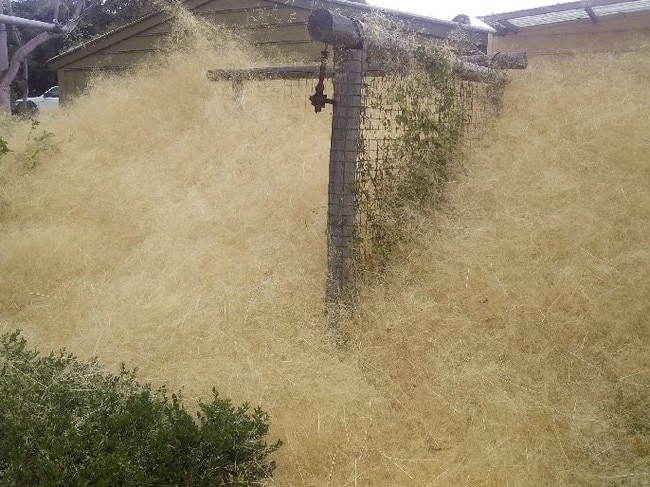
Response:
column 4, row 53
column 349, row 38
column 346, row 121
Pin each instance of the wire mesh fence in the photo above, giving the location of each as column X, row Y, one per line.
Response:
column 261, row 94
column 412, row 129
column 397, row 132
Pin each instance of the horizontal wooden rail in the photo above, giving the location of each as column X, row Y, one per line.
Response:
column 501, row 60
column 280, row 72
column 273, row 72
column 465, row 70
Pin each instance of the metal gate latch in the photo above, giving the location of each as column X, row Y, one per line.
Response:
column 319, row 99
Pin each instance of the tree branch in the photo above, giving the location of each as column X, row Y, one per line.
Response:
column 57, row 5
column 76, row 17
column 8, row 76
column 22, row 52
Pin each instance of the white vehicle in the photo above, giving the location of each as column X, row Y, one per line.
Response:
column 48, row 101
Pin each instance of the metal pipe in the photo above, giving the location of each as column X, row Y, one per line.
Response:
column 283, row 72
column 30, row 24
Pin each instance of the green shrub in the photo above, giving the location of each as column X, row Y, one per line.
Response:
column 67, row 422
column 4, row 148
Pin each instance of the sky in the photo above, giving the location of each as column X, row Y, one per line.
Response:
column 447, row 10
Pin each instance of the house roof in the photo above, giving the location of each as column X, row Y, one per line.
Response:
column 418, row 23
column 114, row 36
column 590, row 10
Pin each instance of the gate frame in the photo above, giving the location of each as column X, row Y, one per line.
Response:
column 346, row 36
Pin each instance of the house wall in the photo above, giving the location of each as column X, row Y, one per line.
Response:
column 280, row 29
column 273, row 27
column 622, row 33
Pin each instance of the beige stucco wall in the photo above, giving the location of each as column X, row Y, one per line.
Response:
column 623, row 33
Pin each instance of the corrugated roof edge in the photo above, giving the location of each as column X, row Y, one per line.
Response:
column 503, row 24
column 60, row 60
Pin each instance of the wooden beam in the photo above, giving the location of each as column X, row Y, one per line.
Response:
column 592, row 14
column 510, row 27
column 501, row 60
column 344, row 33
column 411, row 22
column 472, row 72
column 501, row 30
column 282, row 72
column 273, row 72
column 464, row 67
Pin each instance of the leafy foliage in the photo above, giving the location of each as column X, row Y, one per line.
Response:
column 430, row 122
column 37, row 144
column 68, row 422
column 415, row 123
column 40, row 76
column 4, row 148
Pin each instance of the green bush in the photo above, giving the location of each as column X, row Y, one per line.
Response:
column 67, row 422
column 4, row 148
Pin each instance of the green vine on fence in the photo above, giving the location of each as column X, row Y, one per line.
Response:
column 37, row 143
column 414, row 126
column 4, row 148
column 429, row 122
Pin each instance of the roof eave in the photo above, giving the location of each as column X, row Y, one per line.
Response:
column 146, row 22
column 504, row 25
column 116, row 35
